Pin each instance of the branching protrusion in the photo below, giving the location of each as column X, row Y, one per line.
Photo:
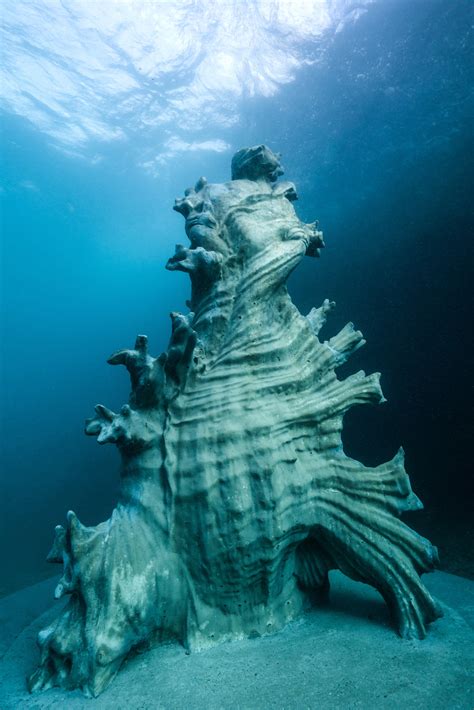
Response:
column 56, row 553
column 346, row 342
column 146, row 372
column 63, row 544
column 316, row 241
column 202, row 265
column 317, row 316
column 130, row 429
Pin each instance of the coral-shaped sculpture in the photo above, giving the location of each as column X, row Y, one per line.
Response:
column 236, row 495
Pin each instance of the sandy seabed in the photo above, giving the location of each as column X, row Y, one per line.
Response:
column 340, row 656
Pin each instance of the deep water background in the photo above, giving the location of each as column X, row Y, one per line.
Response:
column 377, row 137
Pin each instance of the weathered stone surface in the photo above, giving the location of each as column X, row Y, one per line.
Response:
column 236, row 495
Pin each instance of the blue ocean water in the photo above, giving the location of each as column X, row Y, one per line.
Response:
column 110, row 111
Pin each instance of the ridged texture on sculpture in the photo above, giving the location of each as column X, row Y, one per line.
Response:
column 236, row 495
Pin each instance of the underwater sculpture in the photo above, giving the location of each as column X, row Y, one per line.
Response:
column 236, row 495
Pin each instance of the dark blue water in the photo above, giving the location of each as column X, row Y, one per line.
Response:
column 375, row 132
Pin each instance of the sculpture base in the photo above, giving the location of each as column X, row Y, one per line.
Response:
column 343, row 655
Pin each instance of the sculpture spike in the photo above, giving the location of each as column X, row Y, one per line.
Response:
column 55, row 555
column 105, row 413
column 317, row 316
